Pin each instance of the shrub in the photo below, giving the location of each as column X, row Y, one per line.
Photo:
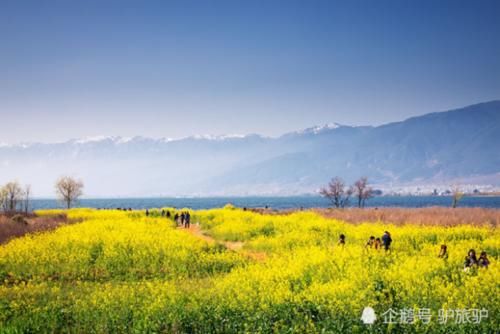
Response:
column 19, row 219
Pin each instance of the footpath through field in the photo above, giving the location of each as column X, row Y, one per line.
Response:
column 236, row 246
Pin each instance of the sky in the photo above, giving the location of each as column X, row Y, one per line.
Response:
column 74, row 69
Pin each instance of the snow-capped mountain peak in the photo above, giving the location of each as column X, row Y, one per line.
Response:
column 320, row 128
column 95, row 139
column 218, row 137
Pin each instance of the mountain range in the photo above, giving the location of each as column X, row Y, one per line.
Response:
column 450, row 146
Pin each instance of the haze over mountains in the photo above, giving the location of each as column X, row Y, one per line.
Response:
column 452, row 146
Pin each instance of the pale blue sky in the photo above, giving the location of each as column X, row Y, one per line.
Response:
column 177, row 68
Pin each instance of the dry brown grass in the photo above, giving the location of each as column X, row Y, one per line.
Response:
column 417, row 216
column 10, row 228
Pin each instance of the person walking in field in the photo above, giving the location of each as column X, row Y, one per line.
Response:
column 183, row 218
column 443, row 252
column 483, row 260
column 386, row 240
column 341, row 240
column 188, row 220
column 378, row 244
column 168, row 214
column 147, row 212
column 470, row 260
column 176, row 218
column 371, row 242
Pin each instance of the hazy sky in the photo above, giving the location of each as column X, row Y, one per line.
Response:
column 171, row 69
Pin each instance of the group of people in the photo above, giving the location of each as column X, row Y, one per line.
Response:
column 184, row 219
column 375, row 243
column 383, row 242
column 166, row 213
column 471, row 260
column 119, row 209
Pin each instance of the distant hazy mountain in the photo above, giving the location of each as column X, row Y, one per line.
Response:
column 436, row 147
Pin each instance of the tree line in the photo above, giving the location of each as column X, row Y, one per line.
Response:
column 15, row 197
column 339, row 194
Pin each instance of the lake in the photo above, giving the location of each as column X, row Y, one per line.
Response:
column 273, row 202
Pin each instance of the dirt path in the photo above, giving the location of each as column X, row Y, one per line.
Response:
column 196, row 230
column 236, row 246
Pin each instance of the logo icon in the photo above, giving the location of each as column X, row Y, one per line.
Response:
column 368, row 317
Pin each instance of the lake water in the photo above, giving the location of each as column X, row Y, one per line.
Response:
column 272, row 202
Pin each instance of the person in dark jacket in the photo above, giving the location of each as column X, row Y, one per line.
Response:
column 470, row 260
column 147, row 212
column 183, row 217
column 483, row 260
column 386, row 240
column 187, row 220
column 341, row 240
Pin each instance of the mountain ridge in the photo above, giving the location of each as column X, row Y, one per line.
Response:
column 316, row 129
column 439, row 146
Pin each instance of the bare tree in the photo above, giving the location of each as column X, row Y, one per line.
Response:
column 3, row 199
column 456, row 195
column 362, row 191
column 367, row 194
column 69, row 190
column 11, row 196
column 337, row 192
column 26, row 198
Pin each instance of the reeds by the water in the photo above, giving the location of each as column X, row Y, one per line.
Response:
column 418, row 216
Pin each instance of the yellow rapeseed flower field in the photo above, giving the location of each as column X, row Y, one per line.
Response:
column 124, row 272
